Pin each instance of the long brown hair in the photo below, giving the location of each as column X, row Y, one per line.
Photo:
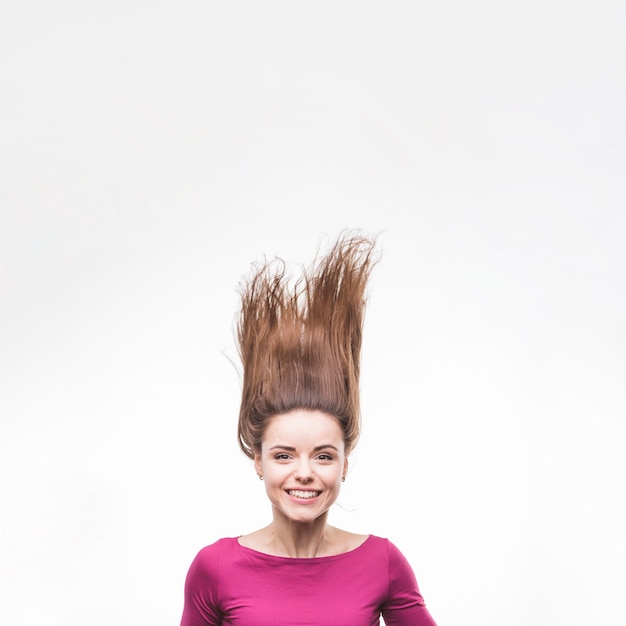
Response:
column 300, row 343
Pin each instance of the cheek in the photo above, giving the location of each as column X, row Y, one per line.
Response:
column 275, row 474
column 331, row 475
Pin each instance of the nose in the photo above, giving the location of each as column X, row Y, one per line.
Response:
column 304, row 471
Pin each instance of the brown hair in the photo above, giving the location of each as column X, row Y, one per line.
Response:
column 300, row 343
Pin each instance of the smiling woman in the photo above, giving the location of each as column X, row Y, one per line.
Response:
column 299, row 420
column 303, row 463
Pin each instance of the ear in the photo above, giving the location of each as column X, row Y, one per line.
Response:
column 257, row 464
column 345, row 469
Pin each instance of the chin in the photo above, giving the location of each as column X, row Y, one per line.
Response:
column 304, row 518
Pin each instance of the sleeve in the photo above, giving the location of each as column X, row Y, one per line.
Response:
column 201, row 604
column 404, row 605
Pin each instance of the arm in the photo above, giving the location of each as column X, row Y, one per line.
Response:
column 201, row 592
column 404, row 605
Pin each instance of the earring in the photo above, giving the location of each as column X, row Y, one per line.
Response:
column 260, row 476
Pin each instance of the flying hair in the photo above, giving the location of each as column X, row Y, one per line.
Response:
column 300, row 342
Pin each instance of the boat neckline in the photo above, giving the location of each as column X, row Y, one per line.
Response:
column 266, row 555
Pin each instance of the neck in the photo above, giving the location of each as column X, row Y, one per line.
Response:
column 298, row 539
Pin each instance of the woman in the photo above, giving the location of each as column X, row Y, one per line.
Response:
column 299, row 421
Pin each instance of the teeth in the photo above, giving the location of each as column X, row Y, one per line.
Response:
column 303, row 494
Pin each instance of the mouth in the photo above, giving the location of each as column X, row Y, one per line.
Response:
column 301, row 494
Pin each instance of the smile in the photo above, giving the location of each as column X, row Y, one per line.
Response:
column 298, row 493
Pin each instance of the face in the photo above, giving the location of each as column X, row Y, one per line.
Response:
column 302, row 462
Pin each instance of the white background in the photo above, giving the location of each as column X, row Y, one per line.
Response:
column 151, row 151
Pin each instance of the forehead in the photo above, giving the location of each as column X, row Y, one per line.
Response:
column 304, row 428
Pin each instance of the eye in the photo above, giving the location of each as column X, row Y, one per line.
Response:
column 281, row 456
column 325, row 457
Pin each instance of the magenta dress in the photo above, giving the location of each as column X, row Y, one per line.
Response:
column 229, row 584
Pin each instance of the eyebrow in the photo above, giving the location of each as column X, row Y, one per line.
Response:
column 316, row 449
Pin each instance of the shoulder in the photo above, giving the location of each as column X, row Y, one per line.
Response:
column 380, row 545
column 219, row 547
column 384, row 550
column 393, row 552
column 203, row 584
column 208, row 559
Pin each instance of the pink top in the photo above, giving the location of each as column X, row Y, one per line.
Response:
column 230, row 584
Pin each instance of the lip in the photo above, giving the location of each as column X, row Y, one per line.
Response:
column 304, row 500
